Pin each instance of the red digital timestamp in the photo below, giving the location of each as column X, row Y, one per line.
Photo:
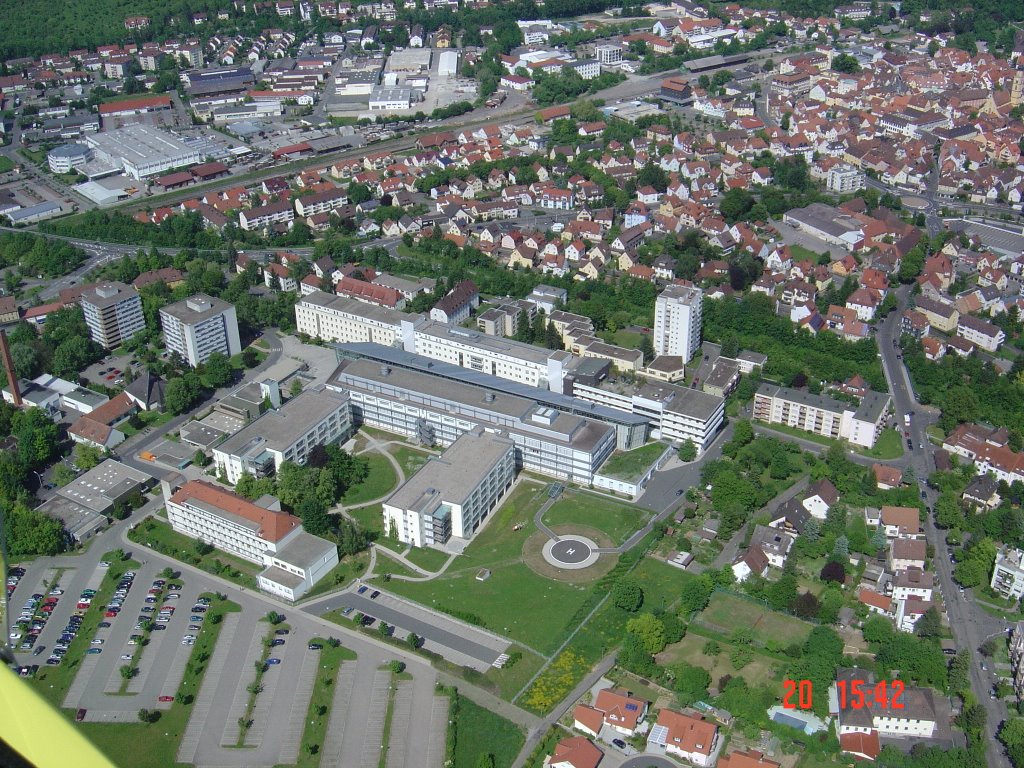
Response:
column 852, row 694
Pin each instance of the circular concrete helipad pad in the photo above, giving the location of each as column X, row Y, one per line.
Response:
column 572, row 552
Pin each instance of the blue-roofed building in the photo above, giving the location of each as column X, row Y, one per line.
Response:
column 801, row 720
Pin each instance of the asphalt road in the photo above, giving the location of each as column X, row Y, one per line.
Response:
column 969, row 623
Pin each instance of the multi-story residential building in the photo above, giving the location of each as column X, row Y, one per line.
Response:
column 913, row 584
column 438, row 403
column 678, row 319
column 1016, row 655
column 321, row 202
column 346, row 320
column 267, row 215
column 907, row 553
column 288, row 434
column 258, row 532
column 844, row 178
column 453, row 493
column 608, row 55
column 1008, row 573
column 823, row 415
column 457, row 304
column 199, row 326
column 981, row 333
column 113, row 312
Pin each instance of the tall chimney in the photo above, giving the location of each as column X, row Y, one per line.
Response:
column 5, row 350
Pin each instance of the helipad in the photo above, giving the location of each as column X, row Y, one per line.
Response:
column 572, row 552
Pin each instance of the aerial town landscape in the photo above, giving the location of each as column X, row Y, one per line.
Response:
column 547, row 383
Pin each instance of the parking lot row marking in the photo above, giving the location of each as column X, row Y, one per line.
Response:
column 398, row 743
column 208, row 691
column 261, row 709
column 343, row 686
column 247, row 676
column 374, row 732
column 438, row 732
column 292, row 739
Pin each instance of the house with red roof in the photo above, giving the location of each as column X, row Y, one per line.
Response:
column 689, row 737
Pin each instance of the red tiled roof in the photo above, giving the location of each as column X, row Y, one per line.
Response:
column 143, row 102
column 274, row 526
column 864, row 744
column 751, row 759
column 589, row 717
column 577, row 752
column 689, row 734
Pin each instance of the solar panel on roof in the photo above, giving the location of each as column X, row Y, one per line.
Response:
column 792, row 722
column 632, row 707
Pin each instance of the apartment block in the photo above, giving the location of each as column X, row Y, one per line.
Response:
column 1008, row 574
column 258, row 532
column 113, row 312
column 315, row 417
column 678, row 319
column 199, row 326
column 453, row 494
column 821, row 415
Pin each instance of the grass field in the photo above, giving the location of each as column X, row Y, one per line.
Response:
column 800, row 253
column 630, row 465
column 728, row 613
column 158, row 535
column 627, row 339
column 323, row 694
column 427, row 558
column 6, row 164
column 763, row 669
column 146, row 419
column 617, row 519
column 514, row 601
column 349, row 568
column 380, row 480
column 479, row 731
column 410, row 459
column 888, row 446
column 135, row 745
column 510, row 680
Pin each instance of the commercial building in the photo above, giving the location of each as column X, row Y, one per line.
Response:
column 453, row 494
column 608, row 55
column 384, row 99
column 315, row 417
column 675, row 413
column 821, row 415
column 199, row 326
column 141, row 151
column 448, row 63
column 494, row 355
column 678, row 318
column 828, row 224
column 1008, row 573
column 436, row 404
column 113, row 312
column 68, row 157
column 84, row 504
column 345, row 320
column 258, row 532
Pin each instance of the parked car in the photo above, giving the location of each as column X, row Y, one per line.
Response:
column 273, row 661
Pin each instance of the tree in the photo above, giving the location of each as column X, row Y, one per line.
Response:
column 972, row 718
column 633, row 655
column 181, row 394
column 647, row 347
column 691, row 683
column 274, row 618
column 842, row 547
column 846, row 63
column 87, row 456
column 627, row 595
column 650, row 630
column 807, row 606
column 30, row 533
column 960, row 672
column 735, row 204
column 930, row 624
column 687, row 451
column 217, row 370
column 63, row 474
column 250, row 357
column 833, row 571
column 989, row 648
column 695, row 595
column 1012, row 732
column 486, row 760
column 413, row 640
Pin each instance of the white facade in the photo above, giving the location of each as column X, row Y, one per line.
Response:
column 1008, row 574
column 113, row 312
column 453, row 494
column 678, row 319
column 199, row 326
column 345, row 320
column 845, row 178
column 448, row 63
column 289, row 434
column 294, row 560
column 822, row 415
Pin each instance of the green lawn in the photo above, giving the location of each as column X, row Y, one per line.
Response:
column 159, row 536
column 410, row 459
column 349, row 568
column 631, row 465
column 617, row 519
column 323, row 695
column 800, row 253
column 53, row 682
column 6, row 164
column 888, row 446
column 145, row 419
column 371, row 518
column 729, row 612
column 514, row 601
column 761, row 670
column 380, row 480
column 135, row 745
column 479, row 731
column 427, row 558
column 510, row 680
column 627, row 339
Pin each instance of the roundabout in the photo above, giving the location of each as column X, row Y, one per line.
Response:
column 571, row 552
